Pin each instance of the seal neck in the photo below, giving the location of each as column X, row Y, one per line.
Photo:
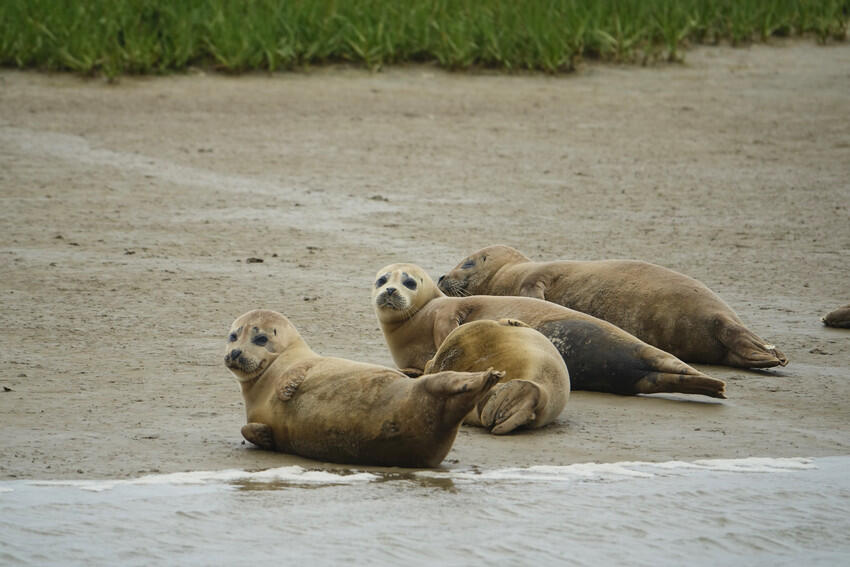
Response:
column 295, row 352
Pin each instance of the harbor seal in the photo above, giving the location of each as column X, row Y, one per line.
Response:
column 416, row 317
column 337, row 410
column 838, row 318
column 666, row 309
column 536, row 384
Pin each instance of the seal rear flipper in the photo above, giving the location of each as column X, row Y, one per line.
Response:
column 511, row 405
column 451, row 383
column 459, row 392
column 259, row 434
column 746, row 349
column 661, row 383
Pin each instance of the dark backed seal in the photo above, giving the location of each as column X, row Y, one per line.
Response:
column 416, row 317
column 838, row 318
column 669, row 310
column 338, row 410
column 536, row 385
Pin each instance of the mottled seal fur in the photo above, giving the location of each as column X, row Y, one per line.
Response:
column 416, row 317
column 536, row 385
column 337, row 410
column 664, row 308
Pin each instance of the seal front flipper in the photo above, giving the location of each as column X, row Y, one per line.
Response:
column 535, row 289
column 443, row 328
column 259, row 434
column 512, row 323
column 511, row 405
column 289, row 382
column 746, row 349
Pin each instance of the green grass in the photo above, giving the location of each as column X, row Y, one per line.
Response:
column 156, row 36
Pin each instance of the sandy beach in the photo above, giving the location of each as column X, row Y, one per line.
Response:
column 130, row 212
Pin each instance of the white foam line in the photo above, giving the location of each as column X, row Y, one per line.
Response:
column 538, row 473
column 293, row 474
column 627, row 469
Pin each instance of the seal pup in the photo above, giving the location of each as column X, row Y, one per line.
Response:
column 536, row 384
column 416, row 317
column 838, row 318
column 337, row 410
column 664, row 308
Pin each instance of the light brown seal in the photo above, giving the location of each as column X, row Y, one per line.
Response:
column 669, row 310
column 838, row 318
column 416, row 317
column 536, row 385
column 338, row 410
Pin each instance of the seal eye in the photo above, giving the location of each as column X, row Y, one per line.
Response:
column 232, row 337
column 381, row 281
column 260, row 340
column 410, row 284
column 468, row 264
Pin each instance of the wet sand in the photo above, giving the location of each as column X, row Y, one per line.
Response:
column 129, row 212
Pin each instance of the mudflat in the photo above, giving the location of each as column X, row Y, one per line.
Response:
column 135, row 215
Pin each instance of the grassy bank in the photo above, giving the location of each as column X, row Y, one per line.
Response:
column 155, row 36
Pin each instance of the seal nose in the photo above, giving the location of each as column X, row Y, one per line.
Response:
column 391, row 290
column 234, row 354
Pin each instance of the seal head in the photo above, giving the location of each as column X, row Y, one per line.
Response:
column 400, row 291
column 255, row 341
column 472, row 275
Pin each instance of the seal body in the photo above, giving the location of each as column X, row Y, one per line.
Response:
column 416, row 317
column 664, row 308
column 536, row 384
column 838, row 318
column 338, row 410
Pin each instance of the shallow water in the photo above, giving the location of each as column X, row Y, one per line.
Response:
column 744, row 511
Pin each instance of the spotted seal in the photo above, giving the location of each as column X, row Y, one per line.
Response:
column 338, row 410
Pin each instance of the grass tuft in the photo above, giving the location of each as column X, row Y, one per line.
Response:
column 113, row 37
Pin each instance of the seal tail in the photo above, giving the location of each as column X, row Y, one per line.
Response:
column 745, row 348
column 662, row 382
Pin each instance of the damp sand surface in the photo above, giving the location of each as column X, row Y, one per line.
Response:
column 130, row 212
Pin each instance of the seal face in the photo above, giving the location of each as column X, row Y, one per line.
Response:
column 339, row 410
column 400, row 290
column 598, row 355
column 473, row 274
column 669, row 310
column 254, row 343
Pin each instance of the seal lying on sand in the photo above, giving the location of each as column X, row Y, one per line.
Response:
column 416, row 318
column 838, row 318
column 337, row 410
column 666, row 309
column 536, row 384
